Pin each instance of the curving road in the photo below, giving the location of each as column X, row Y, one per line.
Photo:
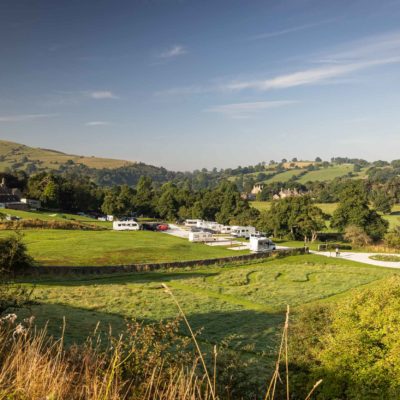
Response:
column 361, row 257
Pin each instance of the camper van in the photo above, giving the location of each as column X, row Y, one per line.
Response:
column 126, row 225
column 260, row 244
column 243, row 231
column 200, row 237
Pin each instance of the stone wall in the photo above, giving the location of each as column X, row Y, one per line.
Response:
column 96, row 270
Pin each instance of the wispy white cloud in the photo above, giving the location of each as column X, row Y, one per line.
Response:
column 24, row 117
column 244, row 110
column 101, row 95
column 188, row 90
column 97, row 123
column 310, row 76
column 286, row 31
column 174, row 51
column 334, row 67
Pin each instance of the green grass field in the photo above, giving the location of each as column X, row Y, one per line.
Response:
column 243, row 305
column 55, row 216
column 327, row 174
column 284, row 176
column 97, row 248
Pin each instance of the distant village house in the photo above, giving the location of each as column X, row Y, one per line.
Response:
column 12, row 199
column 284, row 193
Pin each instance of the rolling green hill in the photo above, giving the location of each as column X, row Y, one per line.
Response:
column 329, row 173
column 19, row 156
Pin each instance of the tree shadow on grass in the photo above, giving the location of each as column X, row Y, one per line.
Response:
column 246, row 331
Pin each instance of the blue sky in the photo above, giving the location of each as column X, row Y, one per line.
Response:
column 189, row 84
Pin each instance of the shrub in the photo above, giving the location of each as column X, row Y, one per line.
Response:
column 392, row 239
column 354, row 346
column 13, row 254
column 357, row 236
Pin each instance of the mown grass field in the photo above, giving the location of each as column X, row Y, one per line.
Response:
column 327, row 174
column 97, row 248
column 284, row 176
column 239, row 304
column 54, row 216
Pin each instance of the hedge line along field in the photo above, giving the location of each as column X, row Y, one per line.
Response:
column 329, row 208
column 241, row 306
column 99, row 248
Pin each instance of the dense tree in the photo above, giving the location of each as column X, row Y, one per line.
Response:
column 353, row 209
column 144, row 198
column 167, row 204
column 382, row 201
column 296, row 217
column 119, row 201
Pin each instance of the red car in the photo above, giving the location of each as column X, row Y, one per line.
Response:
column 162, row 227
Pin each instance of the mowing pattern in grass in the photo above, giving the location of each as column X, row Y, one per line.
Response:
column 97, row 248
column 245, row 304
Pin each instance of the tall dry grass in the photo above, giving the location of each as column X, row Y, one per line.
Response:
column 147, row 362
column 35, row 366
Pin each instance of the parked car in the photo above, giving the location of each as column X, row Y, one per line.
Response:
column 149, row 226
column 162, row 227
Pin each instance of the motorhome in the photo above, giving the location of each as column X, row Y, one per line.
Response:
column 210, row 225
column 200, row 237
column 243, row 231
column 260, row 244
column 129, row 225
column 226, row 229
column 192, row 222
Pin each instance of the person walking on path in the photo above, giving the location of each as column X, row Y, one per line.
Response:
column 337, row 251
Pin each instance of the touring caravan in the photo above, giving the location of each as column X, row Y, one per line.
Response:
column 192, row 222
column 126, row 225
column 243, row 231
column 200, row 237
column 260, row 244
column 226, row 229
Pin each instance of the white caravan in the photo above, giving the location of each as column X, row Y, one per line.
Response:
column 200, row 237
column 260, row 244
column 226, row 229
column 126, row 226
column 214, row 226
column 243, row 231
column 192, row 222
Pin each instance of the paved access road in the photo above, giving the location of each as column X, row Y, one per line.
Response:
column 361, row 257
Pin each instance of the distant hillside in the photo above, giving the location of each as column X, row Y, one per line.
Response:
column 19, row 156
column 104, row 171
